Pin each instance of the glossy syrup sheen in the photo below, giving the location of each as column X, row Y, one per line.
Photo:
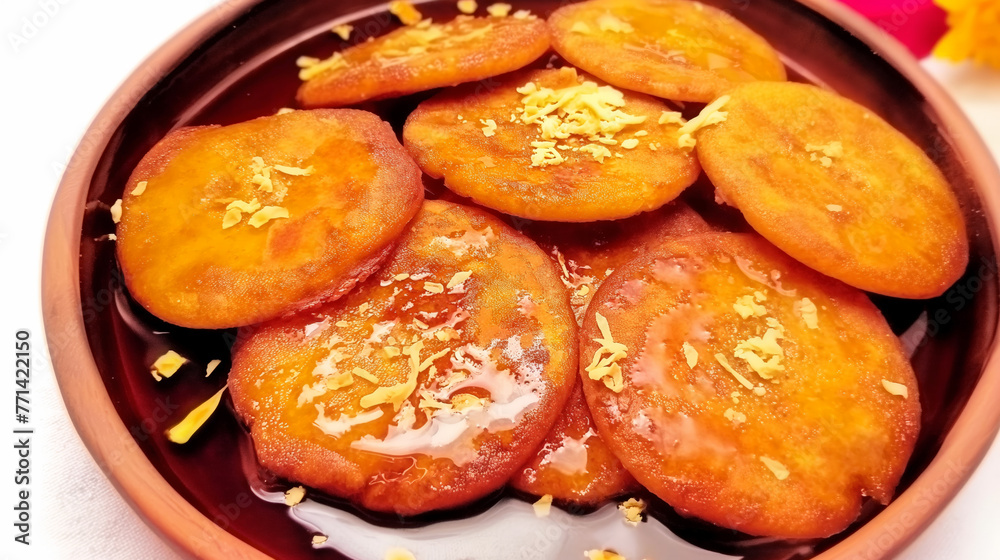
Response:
column 248, row 70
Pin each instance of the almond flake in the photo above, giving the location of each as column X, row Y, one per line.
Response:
column 294, row 496
column 690, row 355
column 633, row 509
column 405, row 12
column 433, row 287
column 779, row 470
column 459, row 278
column 343, row 30
column 499, row 9
column 543, row 506
column 267, row 214
column 897, row 389
column 116, row 211
column 211, row 367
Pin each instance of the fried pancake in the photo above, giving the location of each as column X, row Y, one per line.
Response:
column 836, row 187
column 551, row 145
column 427, row 386
column 676, row 49
column 589, row 253
column 228, row 226
column 747, row 390
column 422, row 57
column 574, row 464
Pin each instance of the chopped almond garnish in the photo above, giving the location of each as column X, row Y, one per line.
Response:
column 465, row 400
column 183, row 431
column 747, row 307
column 211, row 367
column 690, row 355
column 584, row 110
column 467, row 6
column 543, row 506
column 267, row 214
column 364, row 374
column 295, row 171
column 312, row 67
column 399, row 554
column 779, row 470
column 319, row 539
column 232, row 217
column 343, row 30
column 459, row 278
column 807, row 310
column 609, row 22
column 897, row 389
column 294, row 496
column 339, row 381
column 140, row 188
column 398, row 393
column 489, row 127
column 734, row 416
column 633, row 509
column 605, row 367
column 499, row 9
column 116, row 211
column 829, row 151
column 248, row 207
column 433, row 287
column 261, row 174
column 671, row 117
column 721, row 358
column 708, row 116
column 602, row 555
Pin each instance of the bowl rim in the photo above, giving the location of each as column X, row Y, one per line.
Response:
column 192, row 534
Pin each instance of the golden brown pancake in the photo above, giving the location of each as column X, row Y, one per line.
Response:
column 228, row 226
column 836, row 187
column 422, row 57
column 676, row 49
column 518, row 146
column 574, row 464
column 747, row 390
column 427, row 386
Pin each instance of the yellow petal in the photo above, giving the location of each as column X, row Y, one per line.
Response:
column 182, row 432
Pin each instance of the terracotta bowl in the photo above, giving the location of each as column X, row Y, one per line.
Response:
column 237, row 62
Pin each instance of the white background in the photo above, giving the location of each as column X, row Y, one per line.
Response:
column 52, row 84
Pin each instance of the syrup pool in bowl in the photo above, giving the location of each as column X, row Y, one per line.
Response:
column 247, row 70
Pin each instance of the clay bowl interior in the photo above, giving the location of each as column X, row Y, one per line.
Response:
column 238, row 62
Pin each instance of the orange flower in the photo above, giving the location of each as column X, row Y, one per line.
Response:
column 974, row 34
